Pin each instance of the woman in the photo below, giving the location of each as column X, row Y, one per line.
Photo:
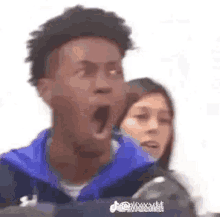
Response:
column 150, row 121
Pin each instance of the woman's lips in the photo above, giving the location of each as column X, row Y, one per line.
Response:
column 152, row 147
column 150, row 144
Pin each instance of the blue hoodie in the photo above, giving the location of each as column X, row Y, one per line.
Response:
column 25, row 172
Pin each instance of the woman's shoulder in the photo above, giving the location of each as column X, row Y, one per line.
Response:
column 167, row 186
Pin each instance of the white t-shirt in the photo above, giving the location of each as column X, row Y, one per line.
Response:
column 72, row 190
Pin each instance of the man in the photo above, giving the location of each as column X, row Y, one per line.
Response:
column 77, row 69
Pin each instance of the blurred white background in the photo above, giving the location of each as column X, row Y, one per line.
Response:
column 179, row 46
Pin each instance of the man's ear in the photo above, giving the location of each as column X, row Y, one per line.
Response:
column 44, row 87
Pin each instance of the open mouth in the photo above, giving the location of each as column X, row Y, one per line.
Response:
column 100, row 119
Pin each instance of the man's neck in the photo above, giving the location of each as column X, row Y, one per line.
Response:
column 74, row 166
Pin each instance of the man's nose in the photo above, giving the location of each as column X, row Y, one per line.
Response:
column 102, row 84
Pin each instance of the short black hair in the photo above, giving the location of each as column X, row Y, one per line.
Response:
column 74, row 23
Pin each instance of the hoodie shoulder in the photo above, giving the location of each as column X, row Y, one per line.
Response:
column 19, row 167
column 25, row 159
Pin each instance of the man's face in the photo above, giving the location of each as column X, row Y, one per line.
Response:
column 88, row 91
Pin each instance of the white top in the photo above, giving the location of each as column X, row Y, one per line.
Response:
column 72, row 190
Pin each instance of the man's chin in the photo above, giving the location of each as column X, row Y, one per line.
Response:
column 90, row 154
column 93, row 147
column 90, row 151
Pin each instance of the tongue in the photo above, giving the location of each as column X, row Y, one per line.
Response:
column 100, row 119
column 97, row 126
column 100, row 131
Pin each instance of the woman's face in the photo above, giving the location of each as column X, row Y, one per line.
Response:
column 150, row 121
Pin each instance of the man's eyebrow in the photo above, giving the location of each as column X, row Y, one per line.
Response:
column 112, row 62
column 87, row 62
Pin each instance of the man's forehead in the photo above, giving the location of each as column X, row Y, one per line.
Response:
column 95, row 50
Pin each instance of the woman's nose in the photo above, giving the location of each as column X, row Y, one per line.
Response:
column 153, row 125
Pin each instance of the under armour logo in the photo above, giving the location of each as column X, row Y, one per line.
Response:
column 25, row 202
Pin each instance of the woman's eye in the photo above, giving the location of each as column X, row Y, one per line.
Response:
column 168, row 121
column 142, row 117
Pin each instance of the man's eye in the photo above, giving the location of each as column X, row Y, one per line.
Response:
column 86, row 71
column 80, row 71
column 115, row 72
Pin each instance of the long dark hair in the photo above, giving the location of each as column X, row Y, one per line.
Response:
column 145, row 86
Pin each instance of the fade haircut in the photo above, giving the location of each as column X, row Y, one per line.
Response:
column 74, row 23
